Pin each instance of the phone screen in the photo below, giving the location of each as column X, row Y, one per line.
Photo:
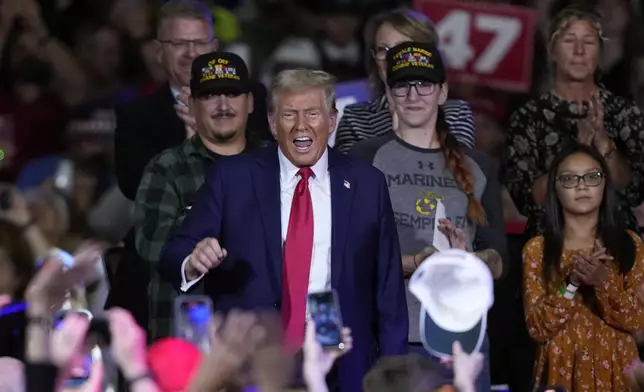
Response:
column 81, row 364
column 325, row 312
column 193, row 316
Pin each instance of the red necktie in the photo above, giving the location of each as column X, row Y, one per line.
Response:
column 298, row 250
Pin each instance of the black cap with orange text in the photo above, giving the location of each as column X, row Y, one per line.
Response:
column 219, row 73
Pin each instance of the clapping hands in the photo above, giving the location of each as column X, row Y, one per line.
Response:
column 457, row 237
column 183, row 111
column 51, row 286
column 591, row 130
column 589, row 268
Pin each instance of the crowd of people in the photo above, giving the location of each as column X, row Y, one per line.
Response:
column 196, row 162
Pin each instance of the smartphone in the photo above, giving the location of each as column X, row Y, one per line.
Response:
column 81, row 366
column 98, row 333
column 324, row 310
column 192, row 320
column 552, row 389
column 5, row 199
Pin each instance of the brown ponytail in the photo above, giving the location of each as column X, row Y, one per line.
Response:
column 457, row 164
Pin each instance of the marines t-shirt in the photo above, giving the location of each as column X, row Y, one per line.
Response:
column 417, row 179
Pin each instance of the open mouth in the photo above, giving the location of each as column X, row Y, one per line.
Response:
column 303, row 143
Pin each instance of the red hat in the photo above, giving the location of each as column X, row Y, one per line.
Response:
column 173, row 362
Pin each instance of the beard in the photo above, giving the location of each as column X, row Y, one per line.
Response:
column 222, row 135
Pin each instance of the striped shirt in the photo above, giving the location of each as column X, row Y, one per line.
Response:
column 370, row 119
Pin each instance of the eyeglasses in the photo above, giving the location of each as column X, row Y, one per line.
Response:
column 570, row 181
column 184, row 44
column 380, row 52
column 423, row 88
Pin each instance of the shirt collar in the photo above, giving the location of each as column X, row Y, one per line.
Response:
column 288, row 171
column 195, row 146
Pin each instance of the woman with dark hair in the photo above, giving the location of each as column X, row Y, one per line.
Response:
column 365, row 120
column 576, row 109
column 582, row 278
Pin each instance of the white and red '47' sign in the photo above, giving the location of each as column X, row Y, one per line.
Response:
column 482, row 43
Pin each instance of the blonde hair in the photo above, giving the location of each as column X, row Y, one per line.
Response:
column 188, row 9
column 297, row 80
column 562, row 21
column 408, row 22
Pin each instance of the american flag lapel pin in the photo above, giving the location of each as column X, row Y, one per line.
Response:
column 347, row 184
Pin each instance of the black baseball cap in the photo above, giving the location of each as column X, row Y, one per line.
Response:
column 219, row 73
column 415, row 61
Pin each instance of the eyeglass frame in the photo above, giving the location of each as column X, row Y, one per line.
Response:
column 186, row 43
column 579, row 178
column 415, row 84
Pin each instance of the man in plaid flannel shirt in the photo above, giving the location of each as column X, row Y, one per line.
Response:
column 220, row 103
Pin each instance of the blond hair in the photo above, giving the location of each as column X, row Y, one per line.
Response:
column 297, row 80
column 188, row 9
column 411, row 23
column 560, row 24
column 565, row 17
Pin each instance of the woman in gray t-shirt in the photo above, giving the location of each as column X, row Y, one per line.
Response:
column 423, row 164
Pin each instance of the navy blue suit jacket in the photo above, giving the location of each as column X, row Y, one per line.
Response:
column 240, row 206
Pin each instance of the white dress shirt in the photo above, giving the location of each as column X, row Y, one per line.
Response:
column 320, row 188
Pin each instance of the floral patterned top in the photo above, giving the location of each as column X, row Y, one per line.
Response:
column 584, row 344
column 540, row 129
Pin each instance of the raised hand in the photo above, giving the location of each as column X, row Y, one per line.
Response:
column 467, row 367
column 54, row 281
column 317, row 360
column 234, row 340
column 67, row 340
column 183, row 111
column 129, row 344
column 17, row 212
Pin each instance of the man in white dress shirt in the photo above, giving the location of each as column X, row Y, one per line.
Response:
column 271, row 226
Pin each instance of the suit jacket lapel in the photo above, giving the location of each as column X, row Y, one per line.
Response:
column 266, row 180
column 341, row 199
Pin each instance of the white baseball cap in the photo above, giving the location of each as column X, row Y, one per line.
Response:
column 456, row 290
